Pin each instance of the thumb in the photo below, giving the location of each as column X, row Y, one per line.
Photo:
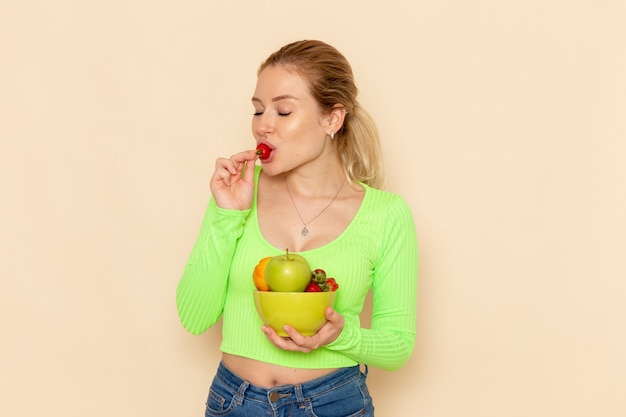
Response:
column 333, row 317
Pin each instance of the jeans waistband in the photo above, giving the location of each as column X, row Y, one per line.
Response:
column 307, row 389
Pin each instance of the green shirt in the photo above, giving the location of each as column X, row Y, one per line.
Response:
column 377, row 251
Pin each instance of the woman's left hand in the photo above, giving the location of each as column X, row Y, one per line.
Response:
column 299, row 343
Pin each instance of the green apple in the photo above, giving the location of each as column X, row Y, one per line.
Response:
column 288, row 273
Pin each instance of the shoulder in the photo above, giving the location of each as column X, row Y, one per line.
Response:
column 385, row 200
column 386, row 210
column 391, row 220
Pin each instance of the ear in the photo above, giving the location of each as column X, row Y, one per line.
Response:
column 336, row 118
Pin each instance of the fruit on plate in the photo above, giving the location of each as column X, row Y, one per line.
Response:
column 263, row 151
column 332, row 284
column 285, row 279
column 320, row 282
column 288, row 272
column 313, row 287
column 258, row 275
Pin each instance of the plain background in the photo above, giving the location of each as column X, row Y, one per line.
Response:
column 504, row 128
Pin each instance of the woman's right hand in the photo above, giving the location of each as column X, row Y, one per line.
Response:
column 232, row 183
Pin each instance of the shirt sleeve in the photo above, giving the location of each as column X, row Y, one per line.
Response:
column 202, row 288
column 389, row 342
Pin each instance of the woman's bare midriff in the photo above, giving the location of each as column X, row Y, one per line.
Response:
column 267, row 375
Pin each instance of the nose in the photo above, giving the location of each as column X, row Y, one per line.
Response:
column 264, row 123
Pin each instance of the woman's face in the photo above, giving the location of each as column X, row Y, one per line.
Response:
column 287, row 119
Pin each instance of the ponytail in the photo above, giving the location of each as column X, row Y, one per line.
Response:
column 358, row 145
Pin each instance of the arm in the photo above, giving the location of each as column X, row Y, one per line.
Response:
column 390, row 341
column 202, row 289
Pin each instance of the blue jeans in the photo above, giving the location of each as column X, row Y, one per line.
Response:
column 342, row 393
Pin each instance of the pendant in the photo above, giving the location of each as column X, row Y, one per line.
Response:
column 305, row 231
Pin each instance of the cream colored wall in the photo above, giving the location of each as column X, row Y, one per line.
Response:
column 503, row 126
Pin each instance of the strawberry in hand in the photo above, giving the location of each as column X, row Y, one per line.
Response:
column 263, row 151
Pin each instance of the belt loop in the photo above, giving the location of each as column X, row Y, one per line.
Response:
column 240, row 392
column 299, row 395
column 365, row 370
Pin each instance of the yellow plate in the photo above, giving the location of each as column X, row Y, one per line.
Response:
column 304, row 311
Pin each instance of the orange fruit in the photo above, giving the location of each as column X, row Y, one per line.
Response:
column 259, row 275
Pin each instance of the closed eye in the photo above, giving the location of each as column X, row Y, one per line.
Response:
column 259, row 113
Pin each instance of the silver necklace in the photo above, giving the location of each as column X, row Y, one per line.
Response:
column 305, row 230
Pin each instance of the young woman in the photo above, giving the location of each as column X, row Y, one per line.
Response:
column 316, row 194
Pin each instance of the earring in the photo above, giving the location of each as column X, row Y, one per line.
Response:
column 332, row 134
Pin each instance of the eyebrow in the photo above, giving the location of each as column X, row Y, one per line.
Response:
column 277, row 98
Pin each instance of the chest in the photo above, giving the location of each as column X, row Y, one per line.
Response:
column 351, row 258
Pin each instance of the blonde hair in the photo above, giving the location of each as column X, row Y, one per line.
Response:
column 331, row 82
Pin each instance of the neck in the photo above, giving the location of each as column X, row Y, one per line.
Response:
column 315, row 184
column 321, row 177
